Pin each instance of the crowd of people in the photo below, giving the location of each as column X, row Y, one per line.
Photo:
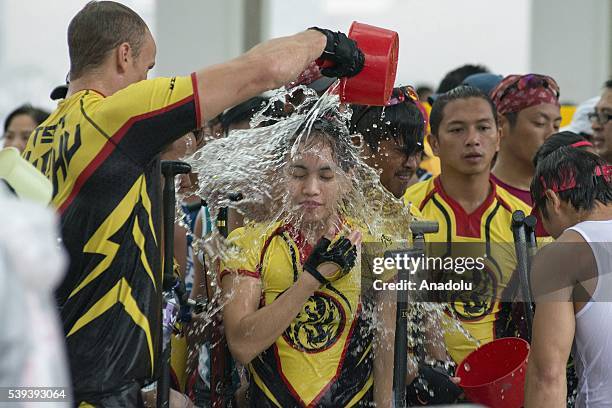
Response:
column 283, row 312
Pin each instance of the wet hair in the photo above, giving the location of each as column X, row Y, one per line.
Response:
column 565, row 164
column 455, row 77
column 404, row 122
column 332, row 133
column 461, row 92
column 247, row 109
column 97, row 29
column 38, row 115
column 554, row 142
column 243, row 111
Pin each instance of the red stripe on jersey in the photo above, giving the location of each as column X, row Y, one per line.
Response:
column 264, row 249
column 341, row 362
column 503, row 203
column 242, row 272
column 292, row 390
column 196, row 99
column 427, row 198
column 467, row 225
column 279, row 367
column 108, row 148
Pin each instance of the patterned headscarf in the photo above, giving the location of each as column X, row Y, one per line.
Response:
column 517, row 92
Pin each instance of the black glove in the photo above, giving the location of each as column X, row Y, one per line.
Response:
column 432, row 380
column 342, row 253
column 343, row 52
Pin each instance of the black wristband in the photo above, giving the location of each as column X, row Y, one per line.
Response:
column 316, row 274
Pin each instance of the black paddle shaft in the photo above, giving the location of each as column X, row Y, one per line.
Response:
column 170, row 169
column 519, row 231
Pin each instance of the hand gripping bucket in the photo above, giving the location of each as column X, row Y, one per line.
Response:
column 494, row 374
column 374, row 84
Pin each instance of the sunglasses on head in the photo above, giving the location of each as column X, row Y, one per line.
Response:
column 402, row 94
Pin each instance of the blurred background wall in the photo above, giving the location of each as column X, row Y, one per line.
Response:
column 567, row 39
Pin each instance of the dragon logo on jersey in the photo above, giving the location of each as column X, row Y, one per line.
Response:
column 480, row 300
column 318, row 326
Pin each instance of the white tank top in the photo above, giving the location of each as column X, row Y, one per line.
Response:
column 593, row 338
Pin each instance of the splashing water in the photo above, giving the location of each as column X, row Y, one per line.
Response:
column 253, row 164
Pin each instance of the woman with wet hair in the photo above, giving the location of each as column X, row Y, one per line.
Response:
column 294, row 312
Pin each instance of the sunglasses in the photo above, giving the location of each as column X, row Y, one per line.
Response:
column 531, row 81
column 599, row 118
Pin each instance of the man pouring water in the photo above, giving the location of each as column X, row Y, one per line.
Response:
column 101, row 150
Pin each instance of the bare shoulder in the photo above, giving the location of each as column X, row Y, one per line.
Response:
column 563, row 248
column 570, row 236
column 558, row 266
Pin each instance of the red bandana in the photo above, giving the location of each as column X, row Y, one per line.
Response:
column 517, row 92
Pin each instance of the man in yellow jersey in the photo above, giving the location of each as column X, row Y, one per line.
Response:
column 295, row 313
column 469, row 208
column 392, row 145
column 100, row 148
column 529, row 113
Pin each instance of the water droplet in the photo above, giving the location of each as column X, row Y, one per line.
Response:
column 467, row 367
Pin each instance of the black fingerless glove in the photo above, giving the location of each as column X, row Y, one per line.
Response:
column 343, row 52
column 342, row 253
column 432, row 386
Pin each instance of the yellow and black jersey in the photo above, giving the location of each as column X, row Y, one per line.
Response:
column 102, row 156
column 324, row 358
column 488, row 230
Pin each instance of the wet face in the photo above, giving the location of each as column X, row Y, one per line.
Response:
column 533, row 126
column 138, row 68
column 314, row 183
column 602, row 132
column 18, row 132
column 467, row 137
column 397, row 168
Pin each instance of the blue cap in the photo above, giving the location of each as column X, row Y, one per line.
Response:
column 484, row 81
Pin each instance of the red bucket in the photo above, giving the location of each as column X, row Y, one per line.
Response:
column 494, row 374
column 374, row 84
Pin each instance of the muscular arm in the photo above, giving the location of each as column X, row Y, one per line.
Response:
column 553, row 328
column 553, row 334
column 267, row 66
column 249, row 330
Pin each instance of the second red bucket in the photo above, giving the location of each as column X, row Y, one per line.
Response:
column 374, row 84
column 494, row 374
